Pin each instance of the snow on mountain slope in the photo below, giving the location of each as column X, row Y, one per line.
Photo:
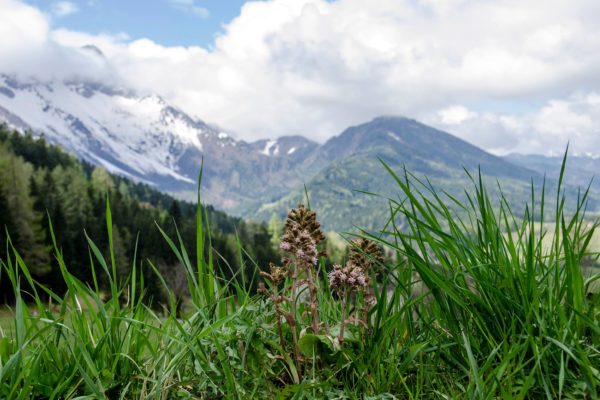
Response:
column 125, row 133
column 271, row 148
column 293, row 147
column 145, row 138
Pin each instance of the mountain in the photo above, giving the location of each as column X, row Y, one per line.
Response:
column 296, row 148
column 145, row 138
column 136, row 136
column 426, row 152
column 417, row 145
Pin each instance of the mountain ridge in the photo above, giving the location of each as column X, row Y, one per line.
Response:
column 145, row 138
column 338, row 190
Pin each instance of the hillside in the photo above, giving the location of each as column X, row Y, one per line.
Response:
column 39, row 183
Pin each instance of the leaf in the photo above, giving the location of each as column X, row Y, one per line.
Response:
column 311, row 344
column 349, row 336
column 5, row 349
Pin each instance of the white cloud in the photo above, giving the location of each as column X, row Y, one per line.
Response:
column 21, row 27
column 455, row 115
column 546, row 129
column 63, row 8
column 313, row 67
column 28, row 48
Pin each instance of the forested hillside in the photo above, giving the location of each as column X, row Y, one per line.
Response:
column 41, row 183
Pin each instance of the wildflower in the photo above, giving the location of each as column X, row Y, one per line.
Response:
column 305, row 220
column 301, row 236
column 349, row 277
column 364, row 254
column 301, row 244
column 262, row 289
column 276, row 274
column 370, row 300
column 354, row 278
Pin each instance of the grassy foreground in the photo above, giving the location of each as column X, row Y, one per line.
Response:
column 477, row 303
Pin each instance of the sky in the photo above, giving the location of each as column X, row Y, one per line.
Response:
column 168, row 22
column 506, row 75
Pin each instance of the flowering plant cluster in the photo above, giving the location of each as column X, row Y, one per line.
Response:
column 353, row 280
column 300, row 244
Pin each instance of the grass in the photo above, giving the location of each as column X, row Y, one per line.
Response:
column 6, row 323
column 477, row 304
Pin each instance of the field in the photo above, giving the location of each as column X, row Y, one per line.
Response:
column 500, row 311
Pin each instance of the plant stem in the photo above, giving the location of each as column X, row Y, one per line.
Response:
column 365, row 316
column 312, row 289
column 276, row 301
column 343, row 322
column 292, row 320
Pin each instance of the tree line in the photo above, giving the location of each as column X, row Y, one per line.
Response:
column 41, row 184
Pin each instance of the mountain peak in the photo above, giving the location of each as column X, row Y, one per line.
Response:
column 392, row 118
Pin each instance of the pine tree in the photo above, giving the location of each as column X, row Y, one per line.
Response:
column 101, row 182
column 23, row 223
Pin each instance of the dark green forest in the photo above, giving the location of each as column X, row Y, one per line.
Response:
column 41, row 184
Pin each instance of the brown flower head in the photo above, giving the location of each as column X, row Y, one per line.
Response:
column 365, row 254
column 306, row 220
column 276, row 274
column 302, row 234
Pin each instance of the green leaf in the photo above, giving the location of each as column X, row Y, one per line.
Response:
column 5, row 349
column 311, row 344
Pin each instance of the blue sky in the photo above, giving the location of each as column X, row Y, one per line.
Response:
column 167, row 22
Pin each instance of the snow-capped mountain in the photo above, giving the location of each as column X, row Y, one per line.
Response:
column 142, row 137
column 145, row 138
